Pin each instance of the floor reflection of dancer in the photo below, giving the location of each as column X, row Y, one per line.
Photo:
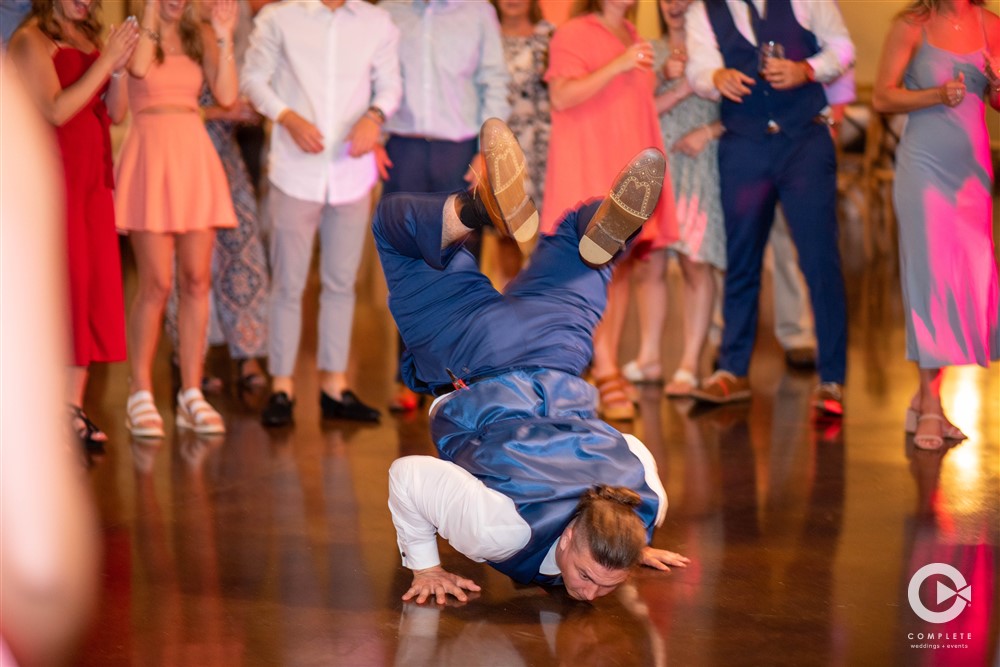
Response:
column 532, row 629
column 523, row 451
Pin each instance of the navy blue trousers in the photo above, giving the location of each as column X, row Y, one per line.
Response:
column 451, row 317
column 430, row 165
column 424, row 165
column 801, row 173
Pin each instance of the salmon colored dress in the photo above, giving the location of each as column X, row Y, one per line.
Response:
column 592, row 141
column 170, row 178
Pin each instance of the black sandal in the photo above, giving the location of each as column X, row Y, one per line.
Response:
column 89, row 434
column 252, row 381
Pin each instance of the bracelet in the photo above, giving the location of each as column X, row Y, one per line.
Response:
column 376, row 114
column 155, row 36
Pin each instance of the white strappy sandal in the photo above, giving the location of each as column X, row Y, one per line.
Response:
column 195, row 413
column 142, row 418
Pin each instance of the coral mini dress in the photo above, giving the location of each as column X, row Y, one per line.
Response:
column 170, row 178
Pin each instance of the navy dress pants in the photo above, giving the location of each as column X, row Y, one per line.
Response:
column 451, row 317
column 801, row 173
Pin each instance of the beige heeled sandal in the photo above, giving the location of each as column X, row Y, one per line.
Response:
column 930, row 440
column 949, row 430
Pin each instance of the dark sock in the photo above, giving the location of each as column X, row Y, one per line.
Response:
column 471, row 211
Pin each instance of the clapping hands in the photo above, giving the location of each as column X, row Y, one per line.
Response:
column 122, row 40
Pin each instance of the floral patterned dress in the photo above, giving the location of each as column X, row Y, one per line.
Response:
column 527, row 59
column 695, row 180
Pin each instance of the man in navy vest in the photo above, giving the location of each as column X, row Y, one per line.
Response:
column 528, row 479
column 777, row 147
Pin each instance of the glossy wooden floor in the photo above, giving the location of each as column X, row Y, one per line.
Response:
column 276, row 548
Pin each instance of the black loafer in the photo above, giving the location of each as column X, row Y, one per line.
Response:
column 278, row 411
column 801, row 358
column 348, row 407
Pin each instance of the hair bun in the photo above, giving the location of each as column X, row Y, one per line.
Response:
column 618, row 494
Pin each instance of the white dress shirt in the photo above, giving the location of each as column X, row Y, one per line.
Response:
column 328, row 66
column 454, row 72
column 428, row 496
column 820, row 17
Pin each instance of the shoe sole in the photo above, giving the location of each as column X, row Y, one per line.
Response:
column 144, row 431
column 741, row 395
column 507, row 202
column 829, row 408
column 631, row 201
column 200, row 429
column 360, row 420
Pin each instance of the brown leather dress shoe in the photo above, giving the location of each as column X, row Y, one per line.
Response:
column 631, row 201
column 723, row 387
column 502, row 189
column 828, row 400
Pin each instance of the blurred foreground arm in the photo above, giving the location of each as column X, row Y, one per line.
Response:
column 48, row 543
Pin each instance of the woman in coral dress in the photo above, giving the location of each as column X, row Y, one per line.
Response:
column 77, row 83
column 172, row 195
column 601, row 90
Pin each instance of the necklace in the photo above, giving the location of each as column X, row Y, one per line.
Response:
column 950, row 18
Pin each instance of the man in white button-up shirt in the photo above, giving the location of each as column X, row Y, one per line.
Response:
column 327, row 74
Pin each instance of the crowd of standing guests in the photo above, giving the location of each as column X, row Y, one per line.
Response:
column 737, row 94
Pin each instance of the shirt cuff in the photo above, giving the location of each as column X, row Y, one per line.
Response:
column 420, row 556
column 277, row 111
column 704, row 85
column 823, row 70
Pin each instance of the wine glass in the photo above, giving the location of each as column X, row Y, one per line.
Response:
column 767, row 51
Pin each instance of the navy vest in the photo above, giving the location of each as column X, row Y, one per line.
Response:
column 794, row 110
column 533, row 435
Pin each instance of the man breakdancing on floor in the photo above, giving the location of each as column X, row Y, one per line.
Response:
column 529, row 479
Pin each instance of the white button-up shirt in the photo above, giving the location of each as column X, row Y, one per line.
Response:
column 429, row 496
column 328, row 66
column 820, row 17
column 454, row 72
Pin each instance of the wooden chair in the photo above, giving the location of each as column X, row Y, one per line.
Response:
column 878, row 174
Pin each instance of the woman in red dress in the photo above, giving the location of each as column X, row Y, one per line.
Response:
column 78, row 85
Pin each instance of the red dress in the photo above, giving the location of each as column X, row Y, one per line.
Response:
column 97, row 304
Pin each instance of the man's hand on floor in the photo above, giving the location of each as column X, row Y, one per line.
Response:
column 661, row 559
column 439, row 583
